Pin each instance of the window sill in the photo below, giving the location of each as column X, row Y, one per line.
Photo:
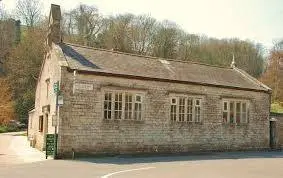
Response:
column 122, row 121
column 235, row 124
column 186, row 123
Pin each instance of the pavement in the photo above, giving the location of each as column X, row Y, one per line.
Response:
column 31, row 164
column 15, row 149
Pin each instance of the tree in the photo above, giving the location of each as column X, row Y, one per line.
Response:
column 6, row 102
column 273, row 77
column 83, row 24
column 117, row 33
column 141, row 31
column 144, row 35
column 23, row 67
column 165, row 41
column 9, row 35
column 29, row 11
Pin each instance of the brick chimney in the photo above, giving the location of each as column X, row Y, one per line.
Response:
column 54, row 27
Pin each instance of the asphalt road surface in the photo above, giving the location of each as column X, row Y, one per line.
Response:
column 213, row 165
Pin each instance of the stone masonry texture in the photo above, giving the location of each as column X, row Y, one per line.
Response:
column 82, row 128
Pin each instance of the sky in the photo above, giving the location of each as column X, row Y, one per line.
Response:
column 260, row 21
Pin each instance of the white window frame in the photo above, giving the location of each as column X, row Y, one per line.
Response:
column 131, row 115
column 181, row 114
column 174, row 113
column 195, row 107
column 134, row 95
column 235, row 101
column 186, row 97
column 139, row 112
column 107, row 109
column 119, row 109
column 226, row 111
column 192, row 109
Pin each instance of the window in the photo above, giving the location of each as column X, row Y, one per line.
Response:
column 197, row 110
column 231, row 112
column 122, row 105
column 190, row 110
column 47, row 81
column 118, row 106
column 107, row 105
column 138, row 105
column 40, row 128
column 235, row 111
column 128, row 105
column 185, row 109
column 244, row 113
column 173, row 110
column 225, row 111
column 182, row 109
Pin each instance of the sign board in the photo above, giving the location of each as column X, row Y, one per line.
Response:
column 56, row 87
column 60, row 100
column 50, row 144
column 83, row 86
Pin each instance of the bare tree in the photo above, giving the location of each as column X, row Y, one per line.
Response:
column 166, row 40
column 85, row 23
column 141, row 30
column 29, row 11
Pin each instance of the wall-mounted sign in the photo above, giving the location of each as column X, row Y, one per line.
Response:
column 60, row 100
column 83, row 86
column 56, row 87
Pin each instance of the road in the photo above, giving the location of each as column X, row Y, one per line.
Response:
column 213, row 165
column 14, row 149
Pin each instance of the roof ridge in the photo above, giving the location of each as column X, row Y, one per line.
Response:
column 145, row 56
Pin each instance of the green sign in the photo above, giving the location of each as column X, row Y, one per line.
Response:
column 50, row 144
column 56, row 87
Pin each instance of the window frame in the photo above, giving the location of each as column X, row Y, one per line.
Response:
column 235, row 112
column 107, row 109
column 40, row 123
column 186, row 97
column 175, row 118
column 124, row 93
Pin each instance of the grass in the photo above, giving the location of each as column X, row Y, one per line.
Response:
column 276, row 108
column 4, row 129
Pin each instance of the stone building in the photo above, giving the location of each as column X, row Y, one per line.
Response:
column 116, row 102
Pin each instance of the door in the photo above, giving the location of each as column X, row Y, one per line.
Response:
column 272, row 134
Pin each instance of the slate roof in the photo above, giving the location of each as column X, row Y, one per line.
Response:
column 109, row 62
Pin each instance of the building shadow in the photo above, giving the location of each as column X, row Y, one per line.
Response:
column 128, row 159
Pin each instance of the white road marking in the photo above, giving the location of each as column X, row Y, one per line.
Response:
column 129, row 170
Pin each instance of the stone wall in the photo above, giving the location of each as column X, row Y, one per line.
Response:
column 278, row 118
column 50, row 71
column 83, row 129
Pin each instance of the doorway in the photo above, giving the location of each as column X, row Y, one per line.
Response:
column 272, row 134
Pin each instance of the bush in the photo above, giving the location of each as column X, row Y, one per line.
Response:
column 5, row 128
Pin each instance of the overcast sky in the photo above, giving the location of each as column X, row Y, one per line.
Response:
column 257, row 20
